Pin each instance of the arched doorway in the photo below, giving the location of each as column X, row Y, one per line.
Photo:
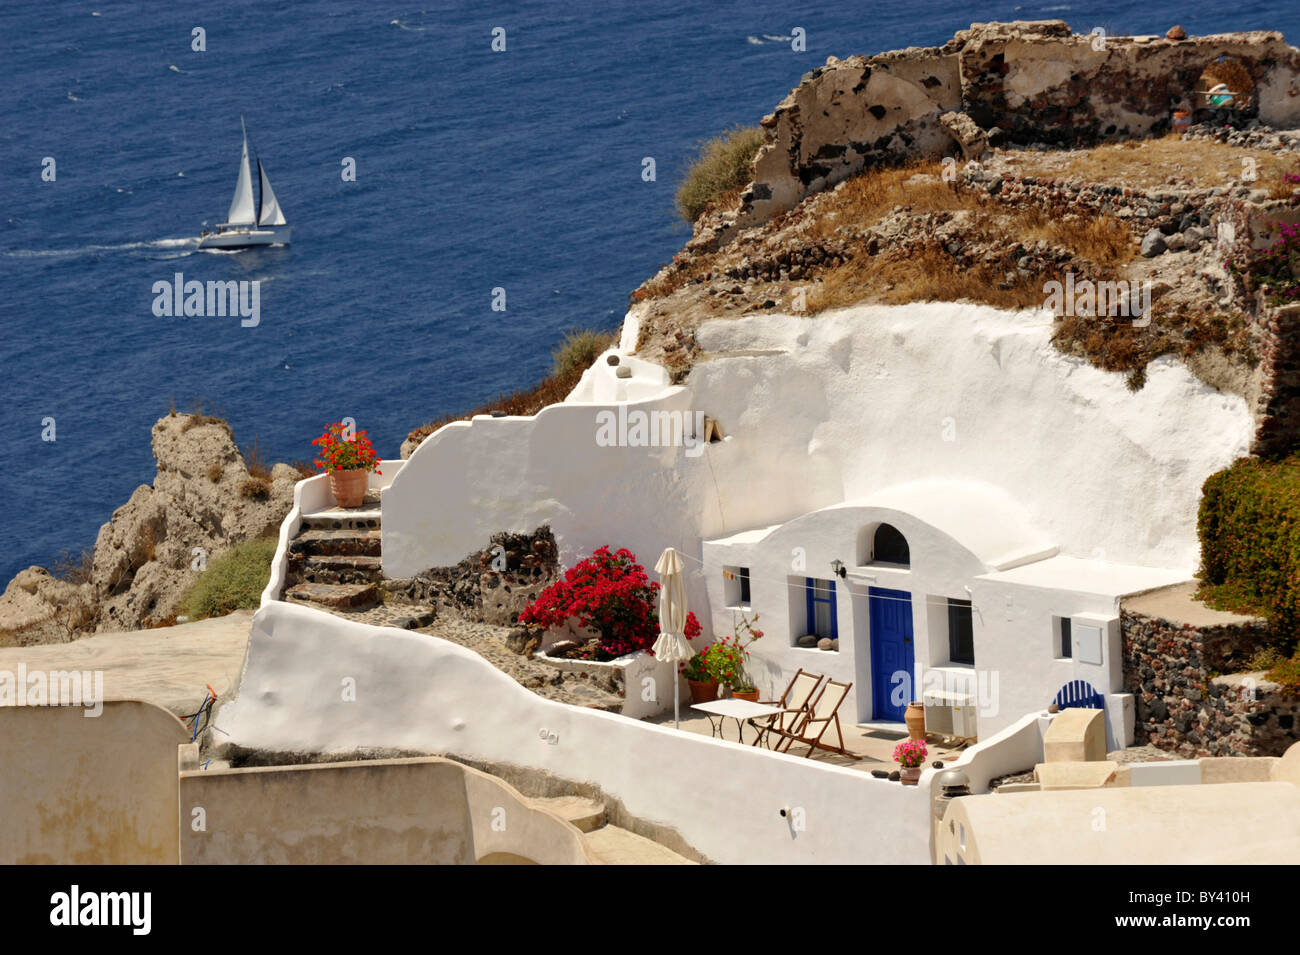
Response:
column 1225, row 86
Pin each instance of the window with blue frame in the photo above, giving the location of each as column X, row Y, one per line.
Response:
column 821, row 608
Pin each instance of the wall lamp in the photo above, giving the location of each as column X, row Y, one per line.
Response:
column 838, row 569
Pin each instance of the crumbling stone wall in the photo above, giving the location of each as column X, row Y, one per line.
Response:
column 1279, row 411
column 1023, row 82
column 493, row 585
column 1182, row 706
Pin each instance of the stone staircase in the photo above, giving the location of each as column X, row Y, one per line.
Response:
column 335, row 562
column 610, row 845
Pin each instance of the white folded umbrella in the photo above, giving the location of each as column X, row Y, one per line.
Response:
column 672, row 644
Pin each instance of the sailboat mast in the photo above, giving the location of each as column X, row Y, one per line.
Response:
column 257, row 216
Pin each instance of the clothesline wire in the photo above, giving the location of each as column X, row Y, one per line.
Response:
column 929, row 599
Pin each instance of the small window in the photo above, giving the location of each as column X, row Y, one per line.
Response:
column 735, row 581
column 821, row 608
column 961, row 633
column 1064, row 638
column 890, row 547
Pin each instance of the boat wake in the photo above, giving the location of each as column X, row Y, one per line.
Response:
column 157, row 245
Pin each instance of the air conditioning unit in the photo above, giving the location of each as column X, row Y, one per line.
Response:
column 950, row 714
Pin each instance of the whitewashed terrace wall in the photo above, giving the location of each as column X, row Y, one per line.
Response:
column 417, row 693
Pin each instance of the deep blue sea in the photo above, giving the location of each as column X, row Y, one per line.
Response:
column 475, row 170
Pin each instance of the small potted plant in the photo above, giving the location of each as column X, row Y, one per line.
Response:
column 704, row 685
column 910, row 755
column 731, row 654
column 348, row 457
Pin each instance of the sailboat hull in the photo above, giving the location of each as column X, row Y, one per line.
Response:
column 244, row 237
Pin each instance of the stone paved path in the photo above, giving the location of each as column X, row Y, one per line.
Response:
column 489, row 642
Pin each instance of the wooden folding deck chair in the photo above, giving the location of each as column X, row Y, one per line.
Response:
column 793, row 702
column 816, row 721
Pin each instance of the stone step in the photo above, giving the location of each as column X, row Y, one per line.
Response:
column 334, row 569
column 341, row 520
column 614, row 846
column 586, row 814
column 319, row 542
column 335, row 596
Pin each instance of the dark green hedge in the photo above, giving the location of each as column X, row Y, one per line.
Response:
column 1249, row 525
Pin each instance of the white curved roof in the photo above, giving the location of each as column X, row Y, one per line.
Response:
column 983, row 518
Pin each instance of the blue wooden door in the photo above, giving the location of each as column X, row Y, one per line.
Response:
column 890, row 617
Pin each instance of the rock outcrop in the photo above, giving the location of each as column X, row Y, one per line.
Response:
column 1022, row 82
column 203, row 499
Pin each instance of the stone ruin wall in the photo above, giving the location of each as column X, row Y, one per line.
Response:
column 1020, row 82
column 1182, row 706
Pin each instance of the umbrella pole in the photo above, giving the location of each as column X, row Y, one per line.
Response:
column 677, row 685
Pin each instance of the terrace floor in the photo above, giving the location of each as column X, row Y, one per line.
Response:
column 875, row 746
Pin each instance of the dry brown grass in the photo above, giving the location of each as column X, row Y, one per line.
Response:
column 255, row 488
column 1102, row 244
column 148, row 547
column 197, row 416
column 74, row 568
column 929, row 274
column 1151, row 163
column 867, row 198
column 1103, row 240
column 253, row 461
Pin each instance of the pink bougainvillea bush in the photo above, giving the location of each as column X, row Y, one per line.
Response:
column 609, row 593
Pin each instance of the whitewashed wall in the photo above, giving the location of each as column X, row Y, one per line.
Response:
column 832, row 408
column 838, row 406
column 418, row 693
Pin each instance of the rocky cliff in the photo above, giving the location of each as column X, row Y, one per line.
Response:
column 203, row 499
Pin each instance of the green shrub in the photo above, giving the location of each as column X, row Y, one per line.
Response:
column 581, row 346
column 1249, row 526
column 233, row 581
column 1287, row 673
column 723, row 165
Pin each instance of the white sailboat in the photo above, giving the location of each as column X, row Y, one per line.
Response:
column 248, row 224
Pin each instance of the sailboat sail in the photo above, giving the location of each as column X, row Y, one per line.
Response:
column 269, row 212
column 241, row 207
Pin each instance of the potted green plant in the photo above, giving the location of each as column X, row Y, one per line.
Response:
column 910, row 755
column 348, row 457
column 704, row 685
column 732, row 652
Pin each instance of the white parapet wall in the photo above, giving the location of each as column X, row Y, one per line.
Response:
column 470, row 480
column 315, row 683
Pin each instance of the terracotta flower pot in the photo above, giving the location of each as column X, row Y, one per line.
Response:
column 702, row 691
column 349, row 487
column 915, row 719
column 751, row 695
column 909, row 775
